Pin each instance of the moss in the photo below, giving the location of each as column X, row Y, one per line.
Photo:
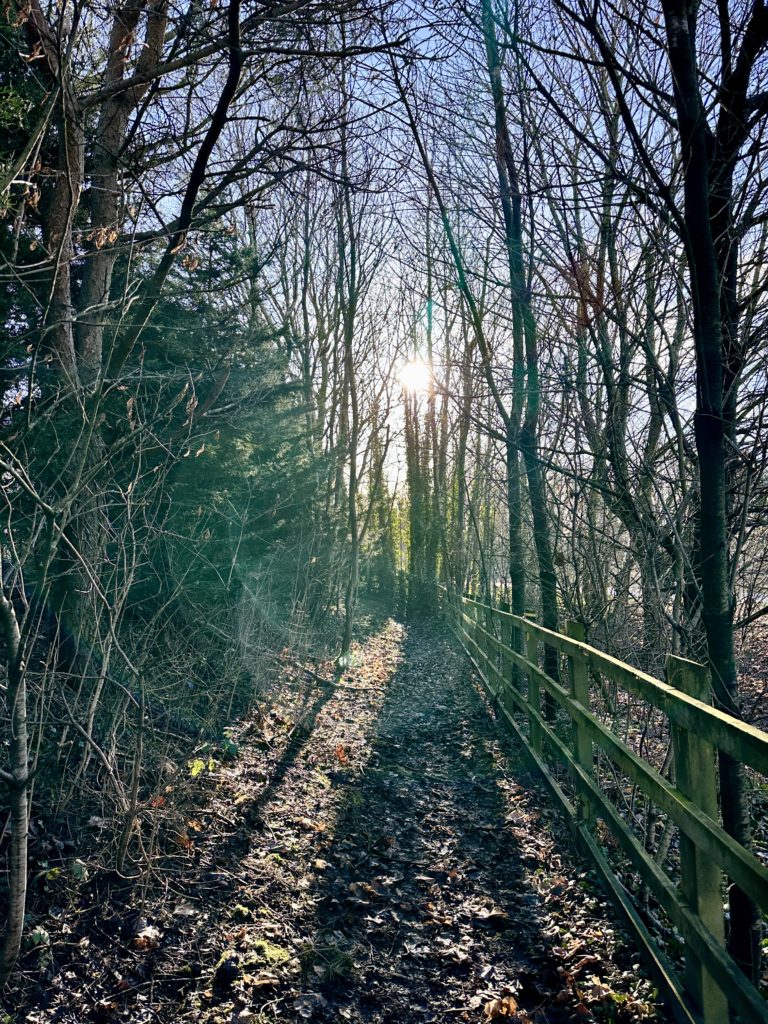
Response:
column 267, row 952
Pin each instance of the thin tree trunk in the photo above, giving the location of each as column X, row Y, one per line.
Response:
column 349, row 283
column 17, row 782
column 526, row 370
column 106, row 194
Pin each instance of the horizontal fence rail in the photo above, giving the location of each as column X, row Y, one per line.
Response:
column 711, row 984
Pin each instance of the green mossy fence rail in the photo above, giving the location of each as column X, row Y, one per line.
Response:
column 711, row 983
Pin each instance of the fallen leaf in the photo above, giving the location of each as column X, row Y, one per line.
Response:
column 496, row 917
column 264, row 980
column 147, row 938
column 598, row 991
column 360, row 891
column 306, row 1004
column 315, row 826
column 243, row 1016
column 584, row 962
column 497, row 1009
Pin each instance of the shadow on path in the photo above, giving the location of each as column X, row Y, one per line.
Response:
column 443, row 886
column 377, row 853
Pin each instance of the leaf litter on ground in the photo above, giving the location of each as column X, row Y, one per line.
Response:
column 377, row 852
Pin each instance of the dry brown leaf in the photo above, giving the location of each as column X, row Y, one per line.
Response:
column 584, row 962
column 498, row 1009
column 598, row 991
column 496, row 917
column 315, row 826
column 147, row 938
column 265, row 979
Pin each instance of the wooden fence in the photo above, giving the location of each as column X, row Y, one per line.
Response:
column 710, row 983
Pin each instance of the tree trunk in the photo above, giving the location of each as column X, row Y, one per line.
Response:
column 525, row 371
column 348, row 277
column 17, row 782
column 710, row 433
column 106, row 194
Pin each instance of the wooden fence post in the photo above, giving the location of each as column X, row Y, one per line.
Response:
column 578, row 673
column 489, row 619
column 475, row 619
column 505, row 626
column 474, row 613
column 485, row 619
column 518, row 645
column 505, row 638
column 507, row 668
column 514, row 644
column 534, row 687
column 700, row 878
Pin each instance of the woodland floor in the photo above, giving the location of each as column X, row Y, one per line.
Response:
column 374, row 850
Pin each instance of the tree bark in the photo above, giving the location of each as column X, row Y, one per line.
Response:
column 17, row 782
column 526, row 363
column 707, row 286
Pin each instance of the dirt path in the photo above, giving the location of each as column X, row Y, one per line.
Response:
column 374, row 852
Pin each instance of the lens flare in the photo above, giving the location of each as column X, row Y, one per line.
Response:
column 415, row 376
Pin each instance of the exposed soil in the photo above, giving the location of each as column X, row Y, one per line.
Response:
column 373, row 850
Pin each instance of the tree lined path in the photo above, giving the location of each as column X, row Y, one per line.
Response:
column 374, row 850
column 311, row 305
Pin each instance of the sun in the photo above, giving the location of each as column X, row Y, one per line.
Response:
column 415, row 376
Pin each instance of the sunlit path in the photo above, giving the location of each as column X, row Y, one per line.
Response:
column 324, row 325
column 373, row 853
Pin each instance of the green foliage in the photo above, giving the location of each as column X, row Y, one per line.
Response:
column 242, row 480
column 198, row 765
column 22, row 92
column 38, row 937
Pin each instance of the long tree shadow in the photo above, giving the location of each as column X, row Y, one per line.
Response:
column 443, row 890
column 224, row 850
column 301, row 734
column 377, row 860
column 313, row 695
